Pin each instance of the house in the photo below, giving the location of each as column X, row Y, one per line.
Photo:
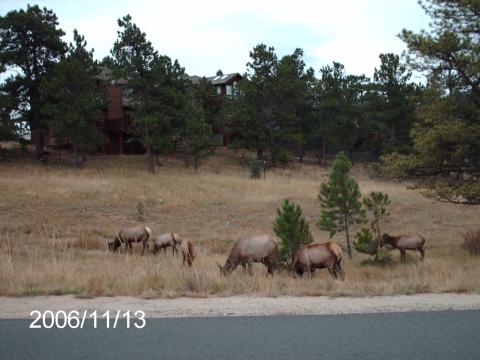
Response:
column 225, row 85
column 117, row 120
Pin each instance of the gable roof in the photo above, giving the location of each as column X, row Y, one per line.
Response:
column 217, row 79
column 222, row 79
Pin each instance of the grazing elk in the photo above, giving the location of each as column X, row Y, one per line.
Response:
column 404, row 243
column 188, row 252
column 318, row 256
column 164, row 241
column 131, row 235
column 248, row 250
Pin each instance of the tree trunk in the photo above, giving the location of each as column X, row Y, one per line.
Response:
column 195, row 163
column 37, row 138
column 302, row 154
column 274, row 159
column 259, row 154
column 324, row 151
column 393, row 135
column 347, row 237
column 76, row 153
column 84, row 156
column 151, row 162
column 35, row 126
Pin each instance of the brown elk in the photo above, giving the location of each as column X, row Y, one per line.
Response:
column 188, row 252
column 318, row 256
column 404, row 243
column 248, row 250
column 164, row 241
column 131, row 235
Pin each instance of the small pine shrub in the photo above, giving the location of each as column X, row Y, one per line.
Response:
column 294, row 231
column 369, row 240
column 140, row 211
column 471, row 242
column 366, row 242
column 255, row 169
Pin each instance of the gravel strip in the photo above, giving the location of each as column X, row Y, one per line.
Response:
column 20, row 308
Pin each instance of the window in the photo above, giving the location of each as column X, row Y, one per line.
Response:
column 219, row 90
column 229, row 90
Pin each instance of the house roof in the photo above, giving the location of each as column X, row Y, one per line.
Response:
column 106, row 74
column 222, row 79
column 217, row 79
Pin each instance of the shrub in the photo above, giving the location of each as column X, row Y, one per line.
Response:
column 471, row 242
column 292, row 228
column 255, row 168
column 340, row 201
column 366, row 242
column 369, row 240
column 140, row 211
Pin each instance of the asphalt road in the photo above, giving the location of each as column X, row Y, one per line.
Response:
column 414, row 335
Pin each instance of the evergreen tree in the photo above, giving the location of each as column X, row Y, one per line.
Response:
column 198, row 133
column 338, row 98
column 340, row 201
column 156, row 86
column 253, row 110
column 30, row 44
column 292, row 228
column 396, row 100
column 74, row 99
column 8, row 128
column 292, row 109
column 446, row 149
column 369, row 240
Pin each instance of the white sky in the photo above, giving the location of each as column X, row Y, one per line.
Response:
column 211, row 34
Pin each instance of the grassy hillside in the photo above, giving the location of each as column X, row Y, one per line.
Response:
column 53, row 218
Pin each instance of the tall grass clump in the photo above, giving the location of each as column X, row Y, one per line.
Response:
column 471, row 242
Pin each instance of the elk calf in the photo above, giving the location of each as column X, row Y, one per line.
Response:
column 164, row 241
column 404, row 243
column 188, row 252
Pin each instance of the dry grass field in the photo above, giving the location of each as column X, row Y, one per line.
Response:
column 53, row 218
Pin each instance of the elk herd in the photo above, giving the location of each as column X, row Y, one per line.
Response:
column 261, row 249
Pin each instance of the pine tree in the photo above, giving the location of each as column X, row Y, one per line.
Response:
column 394, row 103
column 292, row 228
column 340, row 201
column 198, row 133
column 445, row 157
column 30, row 44
column 74, row 100
column 156, row 86
column 252, row 112
column 369, row 240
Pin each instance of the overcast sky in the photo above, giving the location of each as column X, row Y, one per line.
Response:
column 209, row 35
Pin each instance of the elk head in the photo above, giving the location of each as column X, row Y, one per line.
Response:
column 226, row 269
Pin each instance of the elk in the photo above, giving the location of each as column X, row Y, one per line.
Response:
column 188, row 252
column 131, row 235
column 404, row 243
column 248, row 250
column 164, row 241
column 318, row 256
